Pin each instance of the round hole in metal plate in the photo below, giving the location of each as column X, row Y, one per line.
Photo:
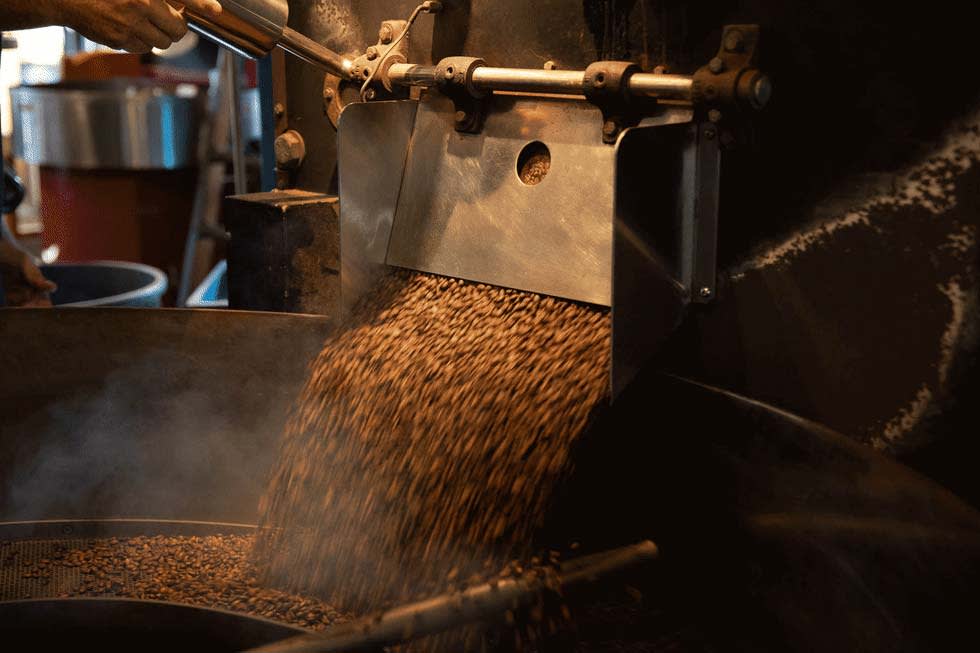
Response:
column 533, row 163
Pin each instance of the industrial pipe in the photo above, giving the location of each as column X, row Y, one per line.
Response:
column 252, row 28
column 530, row 80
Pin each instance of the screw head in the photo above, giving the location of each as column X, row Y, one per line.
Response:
column 661, row 70
column 706, row 292
column 716, row 65
column 714, row 115
column 290, row 150
column 371, row 53
column 550, row 65
column 461, row 117
column 279, row 110
column 600, row 80
column 370, row 94
column 386, row 35
column 734, row 41
column 610, row 128
column 709, row 134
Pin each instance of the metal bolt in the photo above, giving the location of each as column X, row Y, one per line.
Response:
column 550, row 65
column 714, row 115
column 709, row 134
column 716, row 65
column 355, row 72
column 328, row 94
column 610, row 128
column 372, row 53
column 370, row 94
column 762, row 90
column 661, row 70
column 706, row 293
column 290, row 150
column 386, row 34
column 461, row 117
column 734, row 41
column 279, row 110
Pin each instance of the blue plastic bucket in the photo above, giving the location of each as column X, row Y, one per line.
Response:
column 106, row 283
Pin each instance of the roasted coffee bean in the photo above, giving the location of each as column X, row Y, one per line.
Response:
column 212, row 572
column 429, row 438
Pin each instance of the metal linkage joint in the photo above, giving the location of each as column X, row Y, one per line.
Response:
column 607, row 86
column 731, row 79
column 454, row 76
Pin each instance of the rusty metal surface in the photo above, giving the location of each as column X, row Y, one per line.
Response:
column 284, row 252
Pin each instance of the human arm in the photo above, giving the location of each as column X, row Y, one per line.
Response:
column 132, row 25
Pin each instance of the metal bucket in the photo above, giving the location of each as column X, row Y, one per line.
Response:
column 117, row 125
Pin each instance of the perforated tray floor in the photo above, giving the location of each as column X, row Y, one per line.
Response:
column 210, row 571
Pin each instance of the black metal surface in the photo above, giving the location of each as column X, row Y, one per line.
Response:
column 284, row 253
column 128, row 625
column 169, row 414
column 775, row 533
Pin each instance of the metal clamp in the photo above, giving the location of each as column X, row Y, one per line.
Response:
column 454, row 76
column 731, row 77
column 606, row 85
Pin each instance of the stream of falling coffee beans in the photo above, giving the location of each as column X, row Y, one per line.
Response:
column 426, row 444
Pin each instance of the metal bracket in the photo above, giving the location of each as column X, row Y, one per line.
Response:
column 731, row 77
column 365, row 65
column 607, row 87
column 455, row 78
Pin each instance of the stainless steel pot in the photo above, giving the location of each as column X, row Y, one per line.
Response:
column 118, row 125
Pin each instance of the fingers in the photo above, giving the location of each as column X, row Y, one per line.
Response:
column 152, row 35
column 208, row 8
column 168, row 20
column 35, row 278
column 134, row 45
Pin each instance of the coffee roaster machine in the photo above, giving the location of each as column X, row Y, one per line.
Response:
column 614, row 153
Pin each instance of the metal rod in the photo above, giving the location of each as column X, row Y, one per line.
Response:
column 562, row 82
column 668, row 87
column 479, row 603
column 529, row 80
column 312, row 52
column 234, row 77
column 409, row 74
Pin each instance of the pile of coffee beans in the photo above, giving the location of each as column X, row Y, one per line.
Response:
column 212, row 572
column 427, row 443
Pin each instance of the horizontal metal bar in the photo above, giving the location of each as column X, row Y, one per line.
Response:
column 529, row 80
column 672, row 87
column 408, row 74
column 312, row 52
column 562, row 82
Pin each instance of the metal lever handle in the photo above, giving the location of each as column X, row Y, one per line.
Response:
column 253, row 28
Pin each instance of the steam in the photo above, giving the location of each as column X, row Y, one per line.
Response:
column 159, row 439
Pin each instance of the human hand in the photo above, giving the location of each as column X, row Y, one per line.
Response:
column 133, row 25
column 23, row 283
